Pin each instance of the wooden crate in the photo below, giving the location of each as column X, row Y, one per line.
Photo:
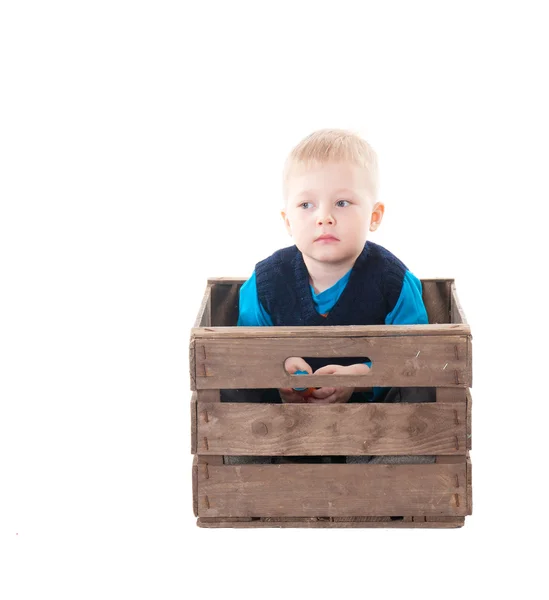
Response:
column 438, row 355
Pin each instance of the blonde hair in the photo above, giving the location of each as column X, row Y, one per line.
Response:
column 333, row 145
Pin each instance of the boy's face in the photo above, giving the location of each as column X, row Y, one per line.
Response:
column 329, row 212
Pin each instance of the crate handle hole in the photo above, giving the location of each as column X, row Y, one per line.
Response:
column 294, row 365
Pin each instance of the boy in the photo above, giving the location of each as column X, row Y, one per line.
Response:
column 332, row 276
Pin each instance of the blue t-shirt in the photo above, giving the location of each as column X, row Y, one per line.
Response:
column 409, row 309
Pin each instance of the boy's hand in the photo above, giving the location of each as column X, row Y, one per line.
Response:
column 293, row 364
column 332, row 395
column 290, row 395
column 327, row 395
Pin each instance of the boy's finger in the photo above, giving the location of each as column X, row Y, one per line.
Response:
column 290, row 395
column 291, row 366
column 323, row 392
column 327, row 370
column 328, row 400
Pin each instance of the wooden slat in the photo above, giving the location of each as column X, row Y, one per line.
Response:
column 436, row 297
column 469, row 428
column 338, row 429
column 470, row 357
column 227, row 519
column 469, row 486
column 192, row 364
column 408, row 361
column 213, row 398
column 451, row 459
column 356, row 519
column 451, row 394
column 313, row 523
column 203, row 318
column 457, row 312
column 195, row 486
column 213, row 459
column 447, row 396
column 225, row 305
column 208, row 396
column 193, row 423
column 346, row 331
column 227, row 280
column 331, row 490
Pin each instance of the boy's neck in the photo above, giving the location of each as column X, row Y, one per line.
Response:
column 324, row 275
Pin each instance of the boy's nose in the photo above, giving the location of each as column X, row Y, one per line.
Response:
column 325, row 219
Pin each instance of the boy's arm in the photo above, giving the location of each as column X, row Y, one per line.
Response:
column 409, row 309
column 251, row 312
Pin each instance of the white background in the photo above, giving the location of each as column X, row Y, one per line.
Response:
column 141, row 151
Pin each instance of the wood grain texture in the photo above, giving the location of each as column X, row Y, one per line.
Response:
column 451, row 394
column 195, row 486
column 469, row 486
column 192, row 364
column 404, row 361
column 469, row 430
column 314, row 523
column 445, row 396
column 208, row 396
column 213, row 398
column 340, row 429
column 193, row 423
column 470, row 357
column 451, row 459
column 335, row 331
column 210, row 460
column 226, row 280
column 331, row 490
column 225, row 299
column 457, row 312
column 436, row 298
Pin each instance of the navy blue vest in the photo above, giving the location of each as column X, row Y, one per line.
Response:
column 371, row 293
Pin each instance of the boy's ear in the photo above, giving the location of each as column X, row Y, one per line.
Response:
column 286, row 221
column 377, row 215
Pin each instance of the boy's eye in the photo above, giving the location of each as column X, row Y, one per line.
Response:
column 342, row 203
column 305, row 204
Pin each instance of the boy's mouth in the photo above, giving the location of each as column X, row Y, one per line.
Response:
column 326, row 238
